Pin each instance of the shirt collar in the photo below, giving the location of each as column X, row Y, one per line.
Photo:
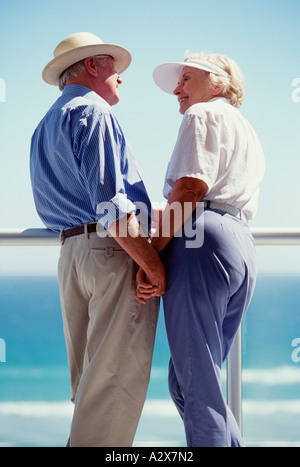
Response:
column 77, row 90
column 220, row 98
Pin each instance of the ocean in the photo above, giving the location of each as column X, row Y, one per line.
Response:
column 34, row 378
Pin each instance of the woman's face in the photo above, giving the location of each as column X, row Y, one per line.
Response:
column 193, row 86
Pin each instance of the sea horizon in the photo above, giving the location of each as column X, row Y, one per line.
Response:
column 35, row 407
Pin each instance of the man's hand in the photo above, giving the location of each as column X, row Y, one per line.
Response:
column 148, row 287
column 127, row 233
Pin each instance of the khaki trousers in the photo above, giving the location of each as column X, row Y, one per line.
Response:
column 109, row 338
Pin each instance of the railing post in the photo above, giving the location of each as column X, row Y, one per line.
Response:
column 234, row 378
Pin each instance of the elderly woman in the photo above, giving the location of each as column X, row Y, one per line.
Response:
column 217, row 160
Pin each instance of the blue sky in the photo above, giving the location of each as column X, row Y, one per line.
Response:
column 262, row 36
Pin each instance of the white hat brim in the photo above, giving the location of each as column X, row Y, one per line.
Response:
column 53, row 70
column 166, row 76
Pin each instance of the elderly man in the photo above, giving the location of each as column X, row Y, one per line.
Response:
column 86, row 185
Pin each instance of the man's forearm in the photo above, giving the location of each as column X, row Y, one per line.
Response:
column 127, row 233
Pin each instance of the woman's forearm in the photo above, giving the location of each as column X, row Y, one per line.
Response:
column 187, row 192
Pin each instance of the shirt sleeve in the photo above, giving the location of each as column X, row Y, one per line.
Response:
column 101, row 150
column 197, row 151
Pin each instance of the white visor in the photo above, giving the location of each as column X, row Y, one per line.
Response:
column 166, row 75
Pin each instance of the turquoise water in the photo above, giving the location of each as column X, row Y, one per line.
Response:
column 34, row 380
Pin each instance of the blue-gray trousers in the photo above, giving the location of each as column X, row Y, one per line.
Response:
column 209, row 290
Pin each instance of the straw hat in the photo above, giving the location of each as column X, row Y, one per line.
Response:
column 79, row 46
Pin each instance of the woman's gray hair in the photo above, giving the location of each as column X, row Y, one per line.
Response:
column 234, row 86
column 75, row 70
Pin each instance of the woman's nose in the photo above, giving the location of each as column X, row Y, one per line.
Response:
column 177, row 90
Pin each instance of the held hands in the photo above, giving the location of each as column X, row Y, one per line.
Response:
column 149, row 286
column 152, row 282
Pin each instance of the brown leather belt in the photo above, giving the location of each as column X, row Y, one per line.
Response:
column 80, row 230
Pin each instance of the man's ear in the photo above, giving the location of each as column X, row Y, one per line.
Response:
column 91, row 66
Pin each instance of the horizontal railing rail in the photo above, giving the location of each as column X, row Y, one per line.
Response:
column 276, row 236
column 262, row 236
column 45, row 237
column 28, row 237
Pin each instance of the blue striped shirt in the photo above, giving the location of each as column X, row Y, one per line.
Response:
column 82, row 168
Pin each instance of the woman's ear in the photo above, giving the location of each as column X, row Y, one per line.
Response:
column 217, row 90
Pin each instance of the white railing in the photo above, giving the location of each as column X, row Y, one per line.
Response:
column 44, row 237
column 262, row 236
column 267, row 237
column 28, row 237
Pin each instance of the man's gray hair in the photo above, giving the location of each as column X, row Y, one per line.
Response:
column 74, row 70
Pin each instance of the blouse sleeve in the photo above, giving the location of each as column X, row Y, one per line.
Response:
column 197, row 150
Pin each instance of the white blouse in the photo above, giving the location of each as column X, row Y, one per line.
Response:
column 218, row 145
